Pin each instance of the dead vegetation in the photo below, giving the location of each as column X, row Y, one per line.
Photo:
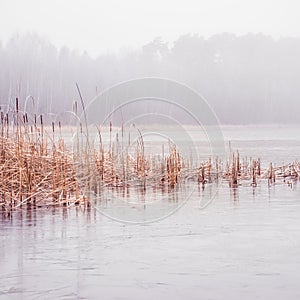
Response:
column 39, row 169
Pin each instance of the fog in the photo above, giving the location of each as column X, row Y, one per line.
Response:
column 247, row 79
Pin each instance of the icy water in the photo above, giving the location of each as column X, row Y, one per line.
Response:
column 243, row 245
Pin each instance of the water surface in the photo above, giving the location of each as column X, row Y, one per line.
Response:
column 244, row 245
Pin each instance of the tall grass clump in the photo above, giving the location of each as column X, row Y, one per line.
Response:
column 39, row 168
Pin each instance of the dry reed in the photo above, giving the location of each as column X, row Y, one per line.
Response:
column 37, row 168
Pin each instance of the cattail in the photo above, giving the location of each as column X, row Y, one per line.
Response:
column 17, row 105
column 254, row 183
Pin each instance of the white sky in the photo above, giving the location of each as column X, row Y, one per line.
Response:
column 102, row 26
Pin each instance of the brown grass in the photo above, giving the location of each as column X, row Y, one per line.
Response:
column 37, row 168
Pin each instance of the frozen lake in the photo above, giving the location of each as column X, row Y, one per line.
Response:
column 243, row 245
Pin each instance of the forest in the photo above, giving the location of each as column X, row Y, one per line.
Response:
column 248, row 79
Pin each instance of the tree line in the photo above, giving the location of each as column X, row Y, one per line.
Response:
column 247, row 79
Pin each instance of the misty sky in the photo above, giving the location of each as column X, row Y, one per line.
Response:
column 104, row 26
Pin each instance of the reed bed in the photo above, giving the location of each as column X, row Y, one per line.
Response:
column 35, row 169
column 39, row 169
